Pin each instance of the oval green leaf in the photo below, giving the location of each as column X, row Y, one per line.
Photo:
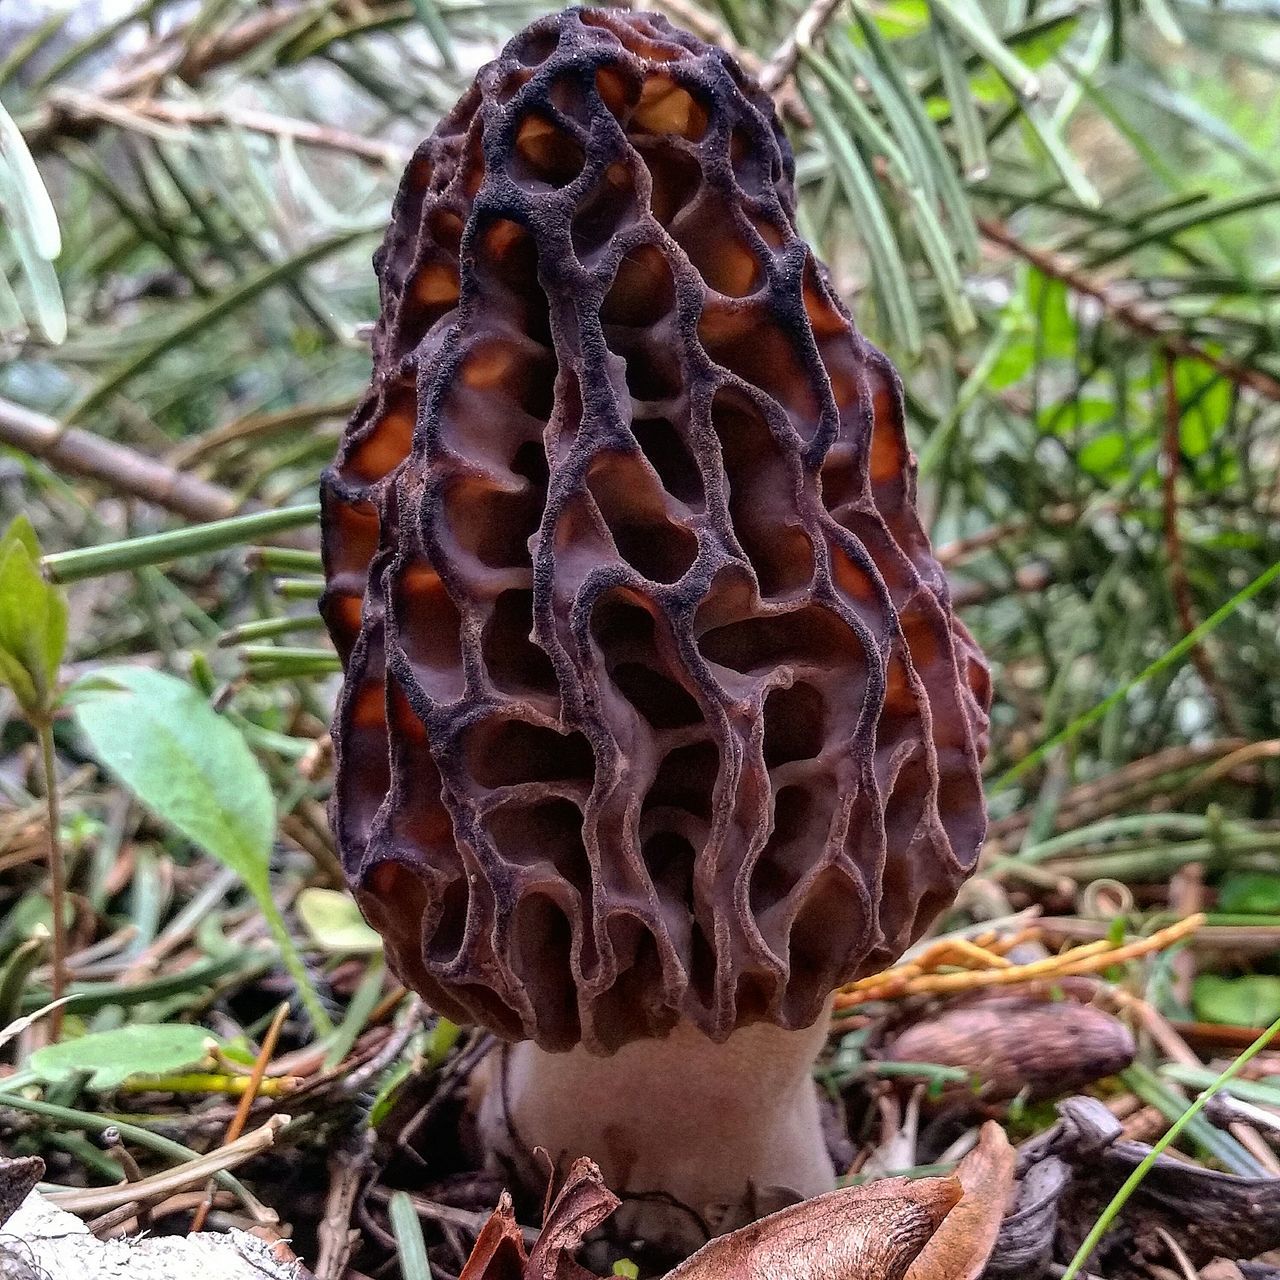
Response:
column 1251, row 1001
column 112, row 1057
column 184, row 761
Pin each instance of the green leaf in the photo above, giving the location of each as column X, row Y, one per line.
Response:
column 1251, row 1001
column 33, row 621
column 1014, row 362
column 185, row 762
column 112, row 1057
column 334, row 923
column 1205, row 400
column 1048, row 304
column 193, row 769
column 1249, row 893
column 897, row 18
column 1102, row 454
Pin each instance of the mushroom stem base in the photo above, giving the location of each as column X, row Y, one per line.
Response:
column 695, row 1137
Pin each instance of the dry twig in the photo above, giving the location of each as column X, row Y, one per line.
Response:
column 122, row 469
column 100, row 1199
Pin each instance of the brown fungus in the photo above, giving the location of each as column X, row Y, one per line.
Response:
column 657, row 722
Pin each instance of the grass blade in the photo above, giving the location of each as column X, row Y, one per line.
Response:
column 410, row 1242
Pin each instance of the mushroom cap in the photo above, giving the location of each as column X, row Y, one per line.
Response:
column 654, row 702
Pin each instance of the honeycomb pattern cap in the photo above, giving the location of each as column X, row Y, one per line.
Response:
column 654, row 704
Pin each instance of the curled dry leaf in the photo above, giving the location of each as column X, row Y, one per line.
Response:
column 960, row 1247
column 1024, row 1247
column 499, row 1249
column 1022, row 1043
column 872, row 1232
column 582, row 1204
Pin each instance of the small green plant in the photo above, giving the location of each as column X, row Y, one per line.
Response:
column 193, row 769
column 33, row 637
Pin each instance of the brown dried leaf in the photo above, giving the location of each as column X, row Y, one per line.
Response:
column 959, row 1249
column 581, row 1205
column 872, row 1232
column 499, row 1251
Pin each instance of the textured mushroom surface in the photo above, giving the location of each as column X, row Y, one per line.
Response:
column 655, row 706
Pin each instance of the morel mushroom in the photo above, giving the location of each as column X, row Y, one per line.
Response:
column 657, row 724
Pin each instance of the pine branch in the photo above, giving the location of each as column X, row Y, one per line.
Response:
column 1141, row 318
column 182, row 53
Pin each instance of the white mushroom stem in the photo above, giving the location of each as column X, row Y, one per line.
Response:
column 726, row 1130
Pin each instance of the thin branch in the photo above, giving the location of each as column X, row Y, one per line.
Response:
column 777, row 71
column 152, row 116
column 192, row 60
column 192, row 1173
column 115, row 465
column 1141, row 319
